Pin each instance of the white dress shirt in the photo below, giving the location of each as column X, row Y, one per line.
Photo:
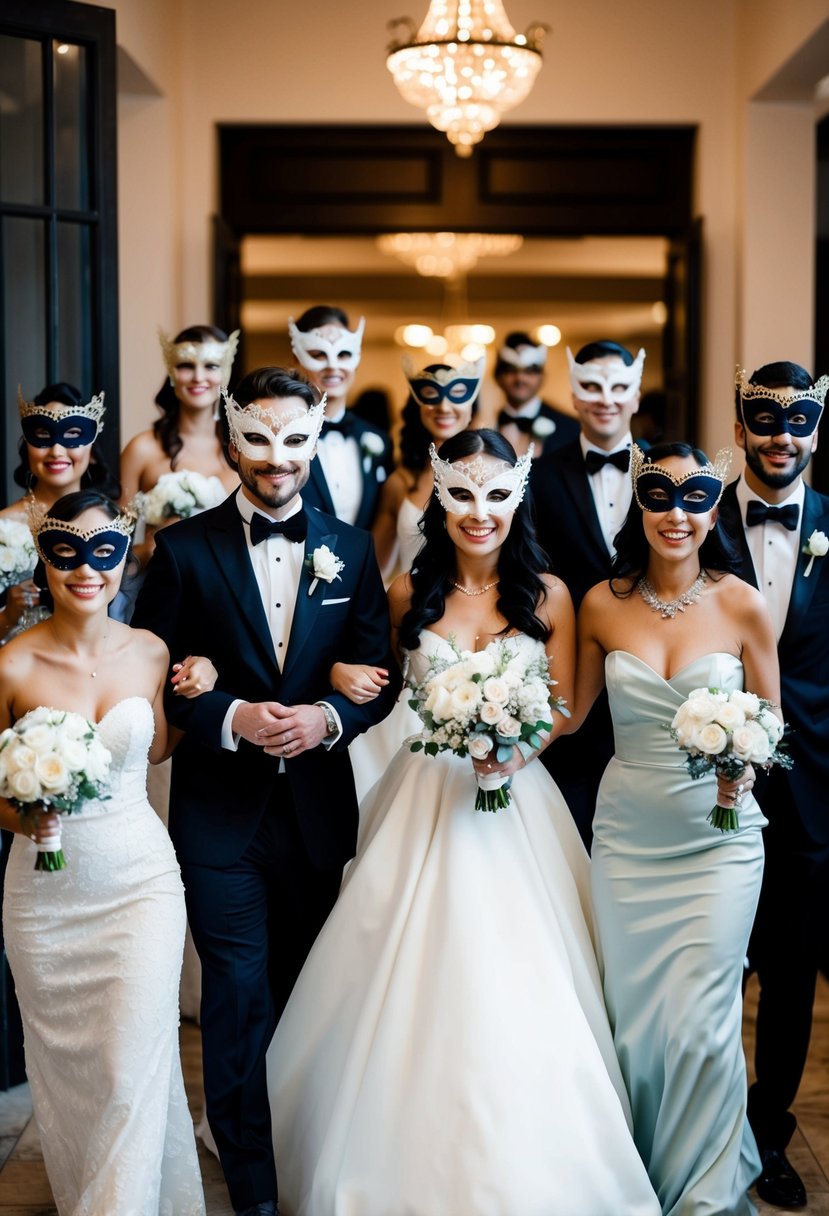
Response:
column 528, row 410
column 611, row 488
column 340, row 460
column 774, row 551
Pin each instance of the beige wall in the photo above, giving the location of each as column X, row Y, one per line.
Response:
column 646, row 61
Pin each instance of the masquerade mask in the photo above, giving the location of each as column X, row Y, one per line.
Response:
column 768, row 411
column 265, row 436
column 66, row 546
column 70, row 426
column 457, row 385
column 613, row 385
column 528, row 357
column 483, row 492
column 341, row 351
column 694, row 492
column 211, row 351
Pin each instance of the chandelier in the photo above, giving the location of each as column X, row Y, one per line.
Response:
column 465, row 66
column 446, row 255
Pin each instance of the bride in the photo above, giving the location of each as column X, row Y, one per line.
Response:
column 446, row 1050
column 96, row 949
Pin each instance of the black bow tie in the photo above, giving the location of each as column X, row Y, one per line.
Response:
column 758, row 513
column 525, row 425
column 593, row 461
column 344, row 427
column 294, row 529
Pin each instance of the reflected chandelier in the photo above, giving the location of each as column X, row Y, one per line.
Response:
column 465, row 66
column 446, row 255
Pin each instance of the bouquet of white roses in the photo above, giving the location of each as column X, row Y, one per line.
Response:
column 724, row 732
column 485, row 703
column 179, row 495
column 17, row 553
column 52, row 760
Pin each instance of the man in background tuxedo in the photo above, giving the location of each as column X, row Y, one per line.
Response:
column 773, row 514
column 354, row 458
column 582, row 493
column 263, row 812
column 524, row 418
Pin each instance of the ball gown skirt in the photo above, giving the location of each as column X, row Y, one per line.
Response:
column 446, row 1050
column 674, row 903
column 95, row 950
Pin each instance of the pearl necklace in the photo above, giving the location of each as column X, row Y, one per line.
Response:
column 474, row 590
column 668, row 609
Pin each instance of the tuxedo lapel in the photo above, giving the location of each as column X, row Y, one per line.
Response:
column 307, row 607
column 227, row 541
column 574, row 476
column 320, row 485
column 803, row 588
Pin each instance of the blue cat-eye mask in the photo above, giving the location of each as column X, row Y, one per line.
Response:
column 433, row 385
column 48, row 431
column 695, row 492
column 768, row 411
column 103, row 549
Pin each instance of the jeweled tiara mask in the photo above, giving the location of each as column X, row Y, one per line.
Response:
column 473, row 486
column 770, row 411
column 658, row 489
column 68, row 426
column 342, row 350
column 264, row 435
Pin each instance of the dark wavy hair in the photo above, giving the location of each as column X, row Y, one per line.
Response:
column 68, row 508
column 97, row 476
column 165, row 428
column 717, row 554
column 520, row 563
column 319, row 315
column 414, row 436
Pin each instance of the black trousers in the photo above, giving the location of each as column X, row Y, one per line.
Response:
column 253, row 925
column 789, row 940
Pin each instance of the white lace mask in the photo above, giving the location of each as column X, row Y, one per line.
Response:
column 476, row 477
column 287, row 437
column 534, row 357
column 340, row 352
column 616, row 385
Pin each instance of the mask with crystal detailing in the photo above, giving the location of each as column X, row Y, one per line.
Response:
column 433, row 385
column 68, row 426
column 768, row 411
column 268, row 437
column 336, row 352
column 613, row 385
column 697, row 491
column 64, row 545
column 211, row 350
column 530, row 358
column 474, row 477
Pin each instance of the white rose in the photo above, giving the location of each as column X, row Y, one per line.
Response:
column 39, row 737
column 98, row 760
column 542, row 427
column 25, row 786
column 750, row 743
column 466, row 698
column 509, row 727
column 8, row 560
column 481, row 663
column 730, row 715
column 73, row 753
column 701, row 708
column 327, row 565
column 771, row 724
column 439, row 704
column 371, row 443
column 710, row 739
column 75, row 727
column 496, row 689
column 480, row 745
column 21, row 757
column 818, row 544
column 51, row 771
column 748, row 702
column 35, row 717
column 491, row 712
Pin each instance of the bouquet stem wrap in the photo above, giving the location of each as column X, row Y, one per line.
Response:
column 493, row 793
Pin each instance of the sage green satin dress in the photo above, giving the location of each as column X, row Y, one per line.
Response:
column 674, row 902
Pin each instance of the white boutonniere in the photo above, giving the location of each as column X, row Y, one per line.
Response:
column 372, row 446
column 323, row 564
column 816, row 546
column 543, row 427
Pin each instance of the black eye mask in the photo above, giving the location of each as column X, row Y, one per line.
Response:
column 670, row 494
column 781, row 420
column 83, row 548
column 456, row 392
column 56, row 430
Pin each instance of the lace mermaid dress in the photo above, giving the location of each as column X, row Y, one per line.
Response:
column 446, row 1050
column 674, row 902
column 95, row 951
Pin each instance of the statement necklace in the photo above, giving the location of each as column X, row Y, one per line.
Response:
column 473, row 590
column 668, row 609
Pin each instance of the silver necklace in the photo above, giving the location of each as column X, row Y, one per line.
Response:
column 669, row 608
column 474, row 590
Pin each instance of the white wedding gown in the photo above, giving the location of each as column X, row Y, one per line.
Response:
column 446, row 1050
column 95, row 950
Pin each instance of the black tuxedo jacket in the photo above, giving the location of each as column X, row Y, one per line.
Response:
column 200, row 596
column 566, row 429
column 566, row 520
column 804, row 661
column 374, row 470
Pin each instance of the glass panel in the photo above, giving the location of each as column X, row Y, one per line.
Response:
column 71, row 125
column 24, row 328
column 21, row 121
column 75, row 307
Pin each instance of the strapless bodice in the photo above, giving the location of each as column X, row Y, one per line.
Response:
column 434, row 648
column 127, row 731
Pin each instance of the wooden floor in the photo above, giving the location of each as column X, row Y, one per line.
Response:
column 24, row 1189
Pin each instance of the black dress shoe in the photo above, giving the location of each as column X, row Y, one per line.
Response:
column 779, row 1183
column 268, row 1208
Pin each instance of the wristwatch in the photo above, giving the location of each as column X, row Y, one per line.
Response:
column 331, row 726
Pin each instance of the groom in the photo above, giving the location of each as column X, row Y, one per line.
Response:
column 263, row 812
